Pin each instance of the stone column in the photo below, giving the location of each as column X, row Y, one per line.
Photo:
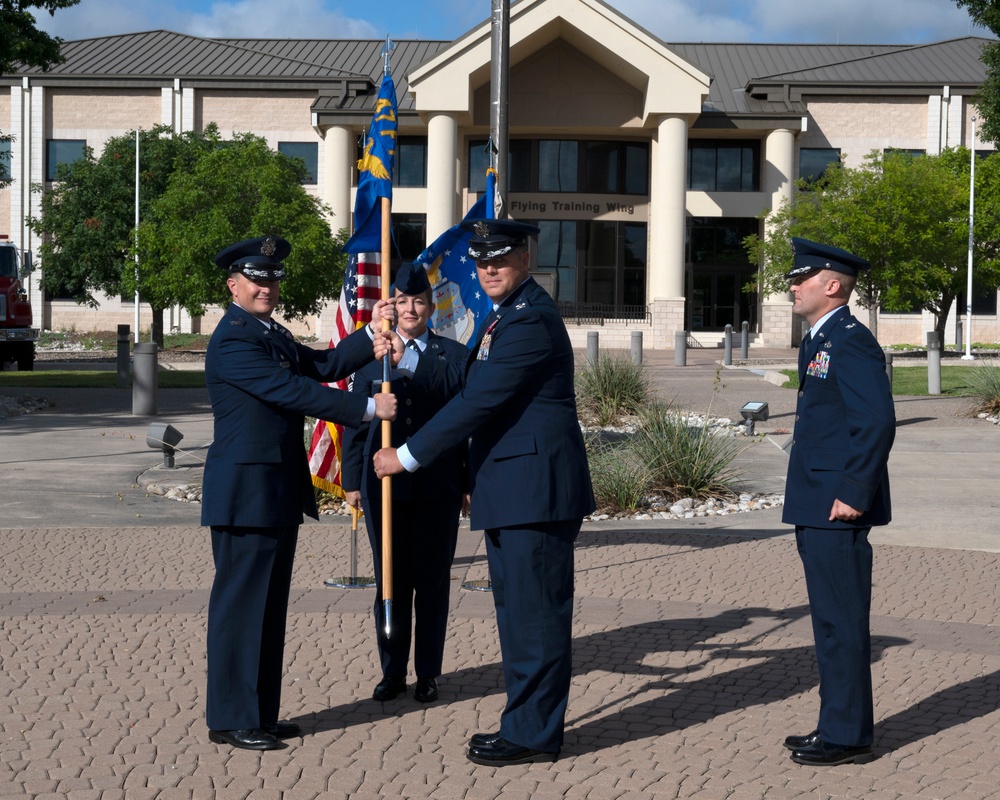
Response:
column 442, row 172
column 338, row 142
column 667, row 202
column 777, row 328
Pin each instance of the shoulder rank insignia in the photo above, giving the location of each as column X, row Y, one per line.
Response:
column 521, row 305
column 852, row 325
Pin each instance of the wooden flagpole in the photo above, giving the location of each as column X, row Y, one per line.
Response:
column 386, row 429
column 386, row 254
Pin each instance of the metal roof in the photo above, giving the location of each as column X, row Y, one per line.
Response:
column 747, row 79
column 757, row 79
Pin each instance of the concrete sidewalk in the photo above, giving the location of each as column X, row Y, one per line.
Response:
column 693, row 649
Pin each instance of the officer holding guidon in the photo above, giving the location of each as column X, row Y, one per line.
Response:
column 257, row 485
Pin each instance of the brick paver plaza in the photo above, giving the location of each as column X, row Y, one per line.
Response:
column 692, row 642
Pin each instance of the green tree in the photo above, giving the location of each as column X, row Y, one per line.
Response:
column 986, row 13
column 907, row 215
column 197, row 195
column 87, row 218
column 22, row 44
column 239, row 190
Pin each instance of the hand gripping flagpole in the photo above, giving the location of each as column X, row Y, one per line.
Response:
column 386, row 388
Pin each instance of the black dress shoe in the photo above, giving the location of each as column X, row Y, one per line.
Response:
column 823, row 754
column 246, row 739
column 798, row 742
column 500, row 753
column 388, row 689
column 484, row 739
column 426, row 690
column 282, row 730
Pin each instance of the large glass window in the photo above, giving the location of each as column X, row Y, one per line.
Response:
column 4, row 160
column 518, row 165
column 307, row 152
column 718, row 269
column 62, row 151
column 410, row 234
column 815, row 161
column 558, row 166
column 409, row 166
column 616, row 168
column 600, row 266
column 557, row 253
column 723, row 166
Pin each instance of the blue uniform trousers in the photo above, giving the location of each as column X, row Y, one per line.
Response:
column 531, row 571
column 424, row 537
column 246, row 624
column 838, row 572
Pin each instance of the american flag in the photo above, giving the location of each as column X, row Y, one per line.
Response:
column 362, row 287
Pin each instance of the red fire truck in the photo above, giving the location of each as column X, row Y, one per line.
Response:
column 17, row 337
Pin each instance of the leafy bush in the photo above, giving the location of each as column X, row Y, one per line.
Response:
column 684, row 460
column 985, row 387
column 610, row 389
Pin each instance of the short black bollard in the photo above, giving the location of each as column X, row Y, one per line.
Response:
column 745, row 342
column 888, row 369
column 123, row 356
column 727, row 346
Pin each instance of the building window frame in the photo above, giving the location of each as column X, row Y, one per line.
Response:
column 62, row 151
column 307, row 153
column 409, row 165
column 723, row 165
column 811, row 159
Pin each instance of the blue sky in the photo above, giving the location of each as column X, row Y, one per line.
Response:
column 844, row 21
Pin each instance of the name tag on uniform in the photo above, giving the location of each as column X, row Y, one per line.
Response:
column 820, row 365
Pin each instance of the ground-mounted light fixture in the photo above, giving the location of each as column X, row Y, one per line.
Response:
column 165, row 437
column 752, row 412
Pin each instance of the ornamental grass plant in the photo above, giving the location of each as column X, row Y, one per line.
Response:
column 621, row 482
column 684, row 460
column 611, row 388
column 984, row 383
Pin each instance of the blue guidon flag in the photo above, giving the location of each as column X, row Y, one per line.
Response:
column 460, row 301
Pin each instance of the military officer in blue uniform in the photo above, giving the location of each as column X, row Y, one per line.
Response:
column 530, row 485
column 257, row 484
column 837, row 489
column 425, row 505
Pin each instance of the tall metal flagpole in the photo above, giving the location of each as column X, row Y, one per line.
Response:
column 137, row 237
column 386, row 388
column 500, row 97
column 972, row 215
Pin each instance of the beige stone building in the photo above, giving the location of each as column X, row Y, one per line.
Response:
column 643, row 162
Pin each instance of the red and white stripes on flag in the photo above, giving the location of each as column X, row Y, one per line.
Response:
column 362, row 287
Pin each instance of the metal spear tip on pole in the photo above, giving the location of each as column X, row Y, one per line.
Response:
column 386, row 52
column 387, row 612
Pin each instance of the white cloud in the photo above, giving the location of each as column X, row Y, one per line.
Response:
column 847, row 21
column 243, row 18
column 261, row 19
column 864, row 21
column 684, row 21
